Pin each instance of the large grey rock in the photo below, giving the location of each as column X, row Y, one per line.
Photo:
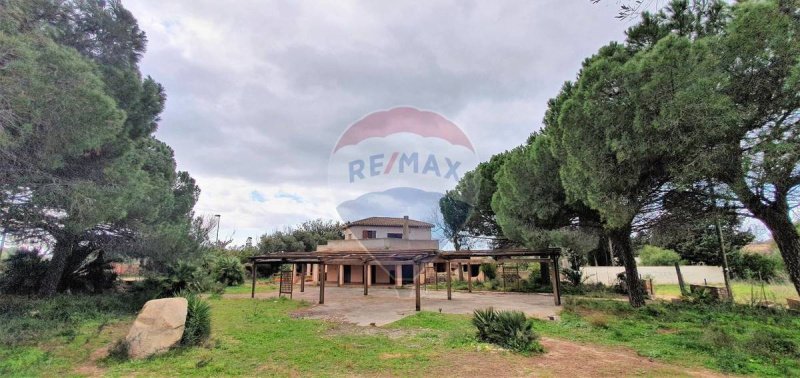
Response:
column 158, row 327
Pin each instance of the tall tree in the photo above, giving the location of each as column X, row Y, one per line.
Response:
column 602, row 145
column 530, row 200
column 749, row 146
column 476, row 188
column 694, row 236
column 79, row 164
column 455, row 213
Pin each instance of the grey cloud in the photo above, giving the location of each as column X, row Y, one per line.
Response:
column 261, row 90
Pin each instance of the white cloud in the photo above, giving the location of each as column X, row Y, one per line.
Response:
column 258, row 92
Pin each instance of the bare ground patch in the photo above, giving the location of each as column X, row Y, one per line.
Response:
column 338, row 328
column 113, row 332
column 562, row 359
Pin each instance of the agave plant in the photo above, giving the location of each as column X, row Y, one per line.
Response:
column 509, row 329
column 198, row 320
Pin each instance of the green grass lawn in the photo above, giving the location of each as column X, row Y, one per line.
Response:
column 248, row 338
column 263, row 285
column 260, row 337
column 741, row 340
column 744, row 292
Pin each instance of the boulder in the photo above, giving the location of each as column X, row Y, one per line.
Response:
column 158, row 327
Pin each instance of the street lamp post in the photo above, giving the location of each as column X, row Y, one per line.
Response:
column 219, row 218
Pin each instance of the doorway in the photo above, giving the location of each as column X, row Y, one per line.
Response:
column 346, row 273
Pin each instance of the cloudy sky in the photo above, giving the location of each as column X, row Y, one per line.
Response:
column 259, row 92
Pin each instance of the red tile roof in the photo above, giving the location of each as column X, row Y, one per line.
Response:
column 388, row 222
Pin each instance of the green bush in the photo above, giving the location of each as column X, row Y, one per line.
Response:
column 22, row 273
column 654, row 256
column 489, row 271
column 772, row 345
column 752, row 266
column 185, row 276
column 198, row 320
column 509, row 329
column 229, row 271
column 25, row 320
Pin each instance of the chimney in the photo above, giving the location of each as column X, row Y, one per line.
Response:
column 405, row 227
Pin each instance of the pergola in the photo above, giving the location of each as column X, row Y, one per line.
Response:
column 417, row 258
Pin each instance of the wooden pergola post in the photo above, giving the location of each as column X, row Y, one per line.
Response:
column 554, row 281
column 302, row 278
column 365, row 277
column 469, row 277
column 322, row 283
column 416, row 285
column 255, row 272
column 449, row 282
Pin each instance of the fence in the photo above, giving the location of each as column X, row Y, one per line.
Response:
column 692, row 274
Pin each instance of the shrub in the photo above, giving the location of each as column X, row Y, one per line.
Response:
column 198, row 320
column 700, row 296
column 229, row 271
column 654, row 256
column 93, row 274
column 754, row 266
column 598, row 320
column 22, row 273
column 119, row 350
column 772, row 345
column 489, row 271
column 509, row 329
column 26, row 320
column 185, row 276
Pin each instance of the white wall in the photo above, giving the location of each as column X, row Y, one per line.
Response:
column 692, row 274
column 376, row 245
column 414, row 233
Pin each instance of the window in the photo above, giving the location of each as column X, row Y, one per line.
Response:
column 369, row 234
column 394, row 235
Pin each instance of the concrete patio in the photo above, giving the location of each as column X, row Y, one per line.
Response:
column 386, row 304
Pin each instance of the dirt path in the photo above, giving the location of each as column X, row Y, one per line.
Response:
column 562, row 359
column 110, row 333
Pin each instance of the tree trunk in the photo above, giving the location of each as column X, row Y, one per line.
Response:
column 788, row 240
column 602, row 253
column 621, row 241
column 55, row 268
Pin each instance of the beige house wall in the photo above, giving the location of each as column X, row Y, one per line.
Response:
column 367, row 245
column 382, row 232
column 382, row 274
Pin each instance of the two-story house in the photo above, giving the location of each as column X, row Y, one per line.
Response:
column 383, row 234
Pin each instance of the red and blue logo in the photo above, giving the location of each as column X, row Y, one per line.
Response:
column 397, row 162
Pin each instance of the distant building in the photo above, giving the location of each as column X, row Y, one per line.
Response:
column 404, row 235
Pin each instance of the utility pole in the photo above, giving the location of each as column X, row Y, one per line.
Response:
column 725, row 270
column 219, row 218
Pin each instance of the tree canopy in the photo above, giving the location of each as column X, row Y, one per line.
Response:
column 304, row 237
column 79, row 164
column 695, row 111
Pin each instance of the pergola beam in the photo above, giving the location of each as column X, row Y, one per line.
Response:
column 416, row 258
